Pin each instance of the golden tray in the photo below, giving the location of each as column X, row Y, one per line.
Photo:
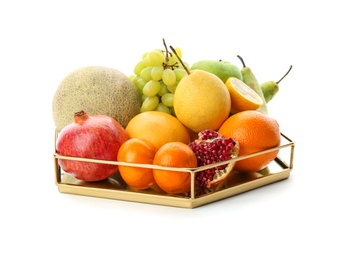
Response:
column 115, row 188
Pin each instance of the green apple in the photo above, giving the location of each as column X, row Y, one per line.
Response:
column 222, row 69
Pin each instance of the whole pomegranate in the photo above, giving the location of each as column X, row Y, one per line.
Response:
column 94, row 137
column 211, row 147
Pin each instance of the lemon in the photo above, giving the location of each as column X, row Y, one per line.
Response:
column 242, row 97
column 201, row 101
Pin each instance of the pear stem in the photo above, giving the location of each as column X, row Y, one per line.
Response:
column 180, row 60
column 244, row 65
column 290, row 68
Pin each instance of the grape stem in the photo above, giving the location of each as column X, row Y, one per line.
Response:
column 180, row 60
column 166, row 55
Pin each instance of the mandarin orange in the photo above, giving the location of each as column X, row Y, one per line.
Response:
column 174, row 154
column 158, row 128
column 255, row 132
column 136, row 151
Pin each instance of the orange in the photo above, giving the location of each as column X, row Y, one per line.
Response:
column 255, row 132
column 242, row 97
column 158, row 128
column 174, row 154
column 136, row 151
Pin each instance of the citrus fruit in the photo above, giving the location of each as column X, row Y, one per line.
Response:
column 174, row 154
column 136, row 151
column 201, row 101
column 242, row 97
column 255, row 132
column 169, row 128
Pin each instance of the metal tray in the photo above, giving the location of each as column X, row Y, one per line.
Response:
column 115, row 188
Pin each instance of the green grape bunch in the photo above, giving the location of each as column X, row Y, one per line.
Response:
column 156, row 77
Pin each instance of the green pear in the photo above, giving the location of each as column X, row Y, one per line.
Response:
column 250, row 79
column 270, row 88
column 222, row 69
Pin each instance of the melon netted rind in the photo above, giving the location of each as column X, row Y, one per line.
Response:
column 96, row 90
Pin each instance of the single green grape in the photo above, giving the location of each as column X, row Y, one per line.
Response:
column 149, row 104
column 169, row 77
column 140, row 83
column 138, row 68
column 151, row 88
column 146, row 61
column 156, row 58
column 173, row 60
column 168, row 99
column 180, row 73
column 172, row 89
column 157, row 72
column 134, row 80
column 163, row 108
column 163, row 90
column 145, row 74
column 178, row 51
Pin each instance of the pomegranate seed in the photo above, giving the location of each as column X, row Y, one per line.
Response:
column 211, row 147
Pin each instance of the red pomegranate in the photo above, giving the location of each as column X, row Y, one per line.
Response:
column 94, row 137
column 211, row 147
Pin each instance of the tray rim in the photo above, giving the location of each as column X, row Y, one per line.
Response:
column 167, row 200
column 176, row 201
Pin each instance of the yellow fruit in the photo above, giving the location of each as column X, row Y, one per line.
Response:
column 242, row 97
column 202, row 101
column 158, row 128
column 96, row 90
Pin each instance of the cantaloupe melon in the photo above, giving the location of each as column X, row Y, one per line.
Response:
column 96, row 90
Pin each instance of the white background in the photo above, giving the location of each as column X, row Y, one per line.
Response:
column 42, row 41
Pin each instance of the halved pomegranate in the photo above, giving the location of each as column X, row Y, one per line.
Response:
column 211, row 147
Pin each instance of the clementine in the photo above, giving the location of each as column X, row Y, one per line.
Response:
column 169, row 128
column 174, row 154
column 136, row 151
column 255, row 132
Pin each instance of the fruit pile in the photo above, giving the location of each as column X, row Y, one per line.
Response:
column 166, row 114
